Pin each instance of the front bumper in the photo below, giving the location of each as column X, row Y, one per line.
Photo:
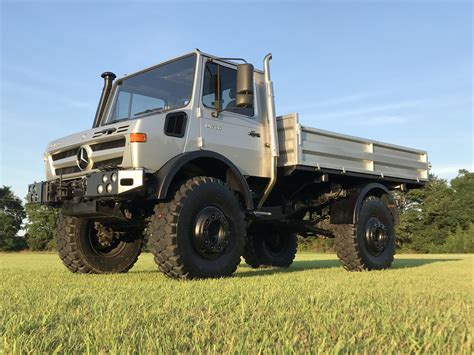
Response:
column 104, row 184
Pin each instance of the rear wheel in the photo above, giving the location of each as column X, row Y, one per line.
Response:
column 268, row 245
column 85, row 246
column 200, row 233
column 370, row 244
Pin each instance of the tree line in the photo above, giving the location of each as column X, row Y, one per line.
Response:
column 435, row 219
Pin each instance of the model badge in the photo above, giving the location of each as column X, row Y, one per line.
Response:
column 217, row 128
column 82, row 158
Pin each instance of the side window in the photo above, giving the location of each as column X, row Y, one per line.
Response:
column 228, row 82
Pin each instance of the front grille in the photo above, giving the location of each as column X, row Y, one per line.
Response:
column 67, row 170
column 106, row 155
column 117, row 143
column 102, row 165
column 107, row 164
column 108, row 145
column 65, row 154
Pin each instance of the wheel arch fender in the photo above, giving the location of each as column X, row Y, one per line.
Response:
column 201, row 162
column 346, row 210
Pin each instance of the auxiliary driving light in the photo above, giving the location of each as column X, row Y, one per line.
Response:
column 100, row 189
column 109, row 188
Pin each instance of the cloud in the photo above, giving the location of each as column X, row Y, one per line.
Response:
column 77, row 103
column 335, row 101
column 384, row 120
column 370, row 109
column 32, row 91
column 317, row 104
column 450, row 171
column 20, row 73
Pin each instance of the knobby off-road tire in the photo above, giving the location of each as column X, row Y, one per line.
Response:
column 269, row 246
column 200, row 233
column 369, row 245
column 80, row 251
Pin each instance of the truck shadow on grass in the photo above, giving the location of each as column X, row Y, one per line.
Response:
column 302, row 265
column 407, row 263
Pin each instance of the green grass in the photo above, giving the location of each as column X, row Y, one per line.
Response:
column 423, row 304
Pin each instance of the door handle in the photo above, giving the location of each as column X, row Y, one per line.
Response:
column 254, row 134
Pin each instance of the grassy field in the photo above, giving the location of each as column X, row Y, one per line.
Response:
column 423, row 304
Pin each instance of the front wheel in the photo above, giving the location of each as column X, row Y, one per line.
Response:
column 200, row 233
column 370, row 244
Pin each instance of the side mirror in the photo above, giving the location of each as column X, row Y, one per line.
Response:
column 244, row 90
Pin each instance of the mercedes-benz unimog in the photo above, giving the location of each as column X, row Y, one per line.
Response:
column 190, row 155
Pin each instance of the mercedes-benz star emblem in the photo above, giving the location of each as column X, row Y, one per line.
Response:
column 82, row 158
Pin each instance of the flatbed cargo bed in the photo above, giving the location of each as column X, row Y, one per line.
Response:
column 324, row 150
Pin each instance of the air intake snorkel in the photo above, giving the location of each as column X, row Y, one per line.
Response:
column 108, row 81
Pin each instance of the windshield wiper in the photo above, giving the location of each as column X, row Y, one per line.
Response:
column 150, row 110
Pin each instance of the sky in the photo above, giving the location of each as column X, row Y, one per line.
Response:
column 393, row 71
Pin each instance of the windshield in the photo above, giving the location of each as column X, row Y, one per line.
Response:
column 163, row 88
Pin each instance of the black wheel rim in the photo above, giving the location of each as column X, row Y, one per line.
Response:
column 211, row 232
column 376, row 236
column 105, row 250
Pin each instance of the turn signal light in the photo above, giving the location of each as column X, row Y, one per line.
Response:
column 137, row 137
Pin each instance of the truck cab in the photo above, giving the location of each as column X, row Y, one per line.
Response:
column 175, row 105
column 190, row 155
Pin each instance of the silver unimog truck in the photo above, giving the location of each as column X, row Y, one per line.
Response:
column 190, row 155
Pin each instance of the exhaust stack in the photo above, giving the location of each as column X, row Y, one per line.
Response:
column 109, row 78
column 272, row 125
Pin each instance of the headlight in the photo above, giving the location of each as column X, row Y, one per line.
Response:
column 109, row 188
column 105, row 178
column 100, row 189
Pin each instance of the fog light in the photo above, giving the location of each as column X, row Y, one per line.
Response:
column 105, row 178
column 114, row 177
column 109, row 188
column 100, row 189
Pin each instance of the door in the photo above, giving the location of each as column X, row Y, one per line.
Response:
column 236, row 132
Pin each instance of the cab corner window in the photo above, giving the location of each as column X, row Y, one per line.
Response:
column 228, row 83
